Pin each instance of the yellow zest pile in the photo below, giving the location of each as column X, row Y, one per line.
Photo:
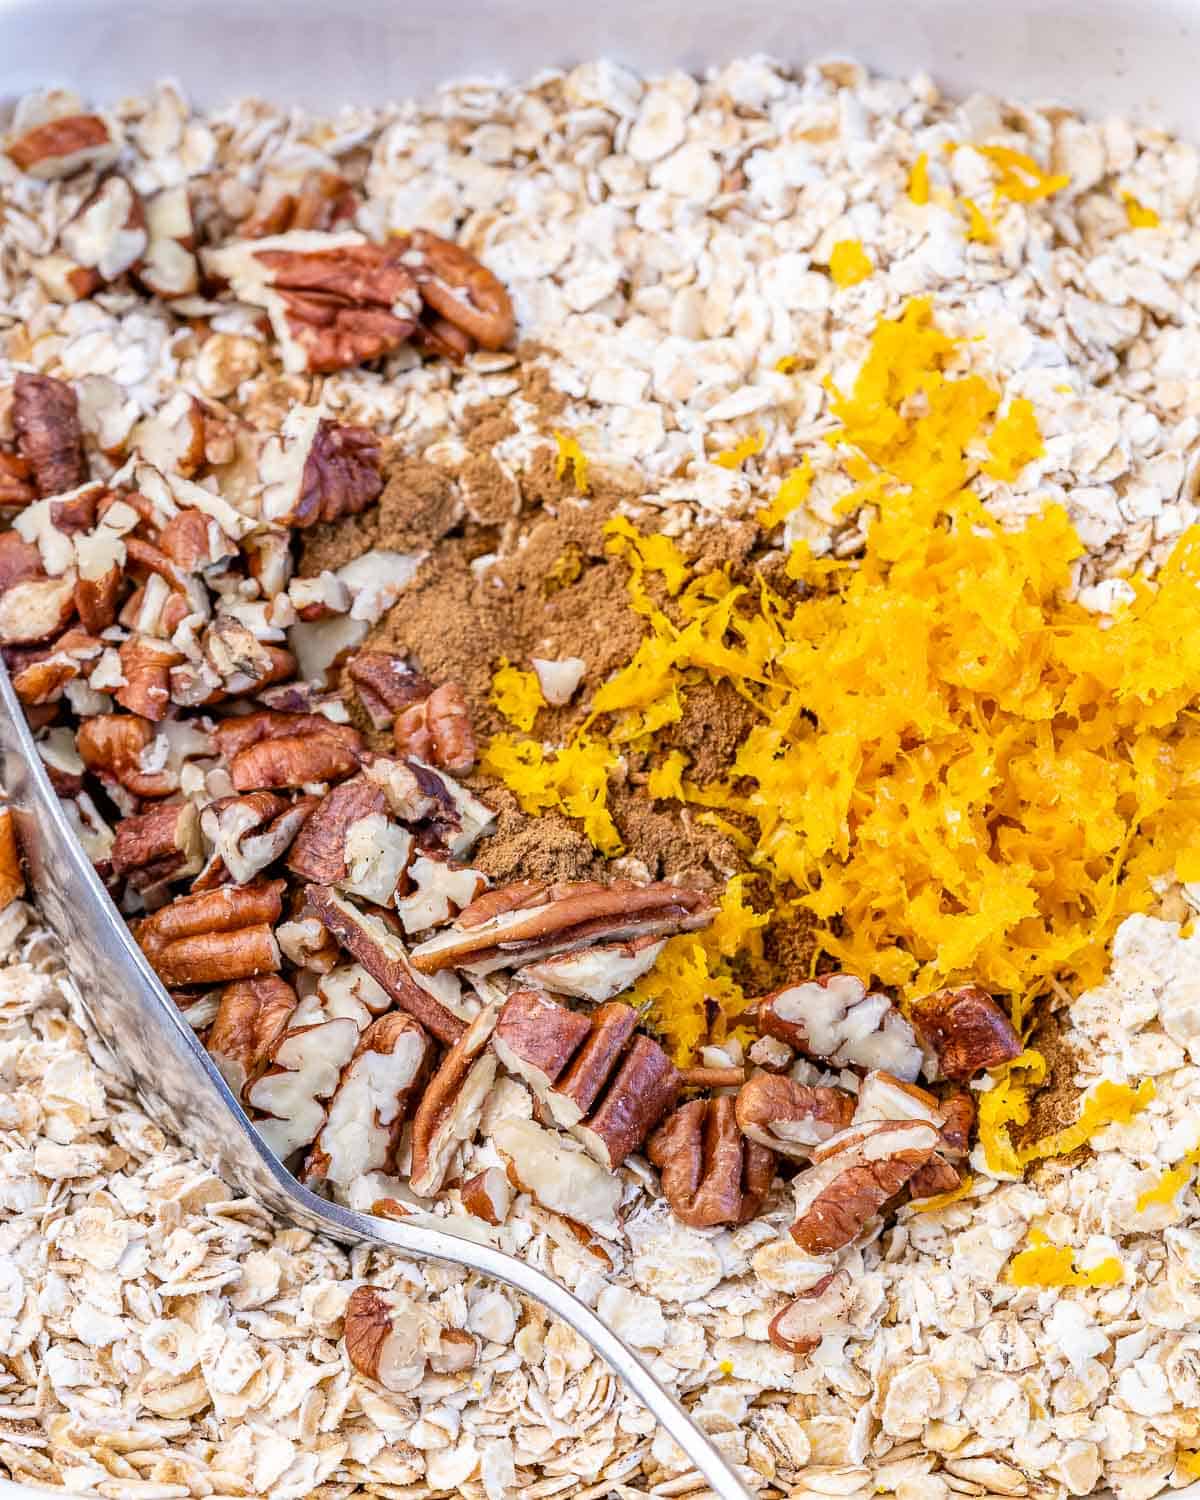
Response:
column 1007, row 1103
column 957, row 771
column 747, row 447
column 572, row 456
column 849, row 263
column 1170, row 1184
column 1139, row 216
column 517, row 695
column 1045, row 1264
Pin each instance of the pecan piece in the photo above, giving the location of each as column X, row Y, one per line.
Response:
column 214, row 937
column 487, row 1195
column 789, row 1117
column 12, row 876
column 940, row 1174
column 252, row 1015
column 852, row 1176
column 322, row 200
column 438, row 730
column 597, row 973
column 319, row 852
column 560, row 1175
column 166, row 839
column 46, row 420
column 438, row 887
column 460, row 290
column 385, row 683
column 966, row 1029
column 304, row 1067
column 42, row 679
column 112, row 746
column 536, row 1038
column 835, row 1020
column 16, row 481
column 882, row 1097
column 170, row 268
column 450, row 1108
column 318, row 470
column 64, row 145
column 557, row 918
column 108, row 234
column 334, row 300
column 823, row 1308
column 292, row 762
column 147, row 665
column 611, row 1027
column 645, row 1087
column 383, row 1339
column 19, row 561
column 237, row 734
column 369, row 943
column 249, row 833
column 367, row 1112
column 710, row 1173
column 37, row 610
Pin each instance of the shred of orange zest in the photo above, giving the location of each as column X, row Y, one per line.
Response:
column 747, row 447
column 918, row 180
column 572, row 455
column 1015, row 441
column 516, row 694
column 849, row 263
column 980, row 228
column 573, row 781
column 942, row 1200
column 1170, row 1184
column 1189, row 1462
column 790, row 496
column 1020, row 178
column 1138, row 215
column 786, row 363
column 1045, row 1264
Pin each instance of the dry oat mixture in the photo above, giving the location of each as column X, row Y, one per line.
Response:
column 695, row 266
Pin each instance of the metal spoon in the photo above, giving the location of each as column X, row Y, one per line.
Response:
column 179, row 1086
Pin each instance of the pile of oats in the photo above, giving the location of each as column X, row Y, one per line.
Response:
column 667, row 246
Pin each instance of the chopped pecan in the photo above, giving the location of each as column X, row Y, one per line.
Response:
column 37, row 610
column 610, row 1028
column 536, row 1038
column 940, row 1174
column 439, row 887
column 966, row 1029
column 108, row 234
column 64, row 145
column 304, row 1067
column 438, row 730
column 237, row 734
column 251, row 1017
column 170, row 268
column 852, row 1176
column 319, row 853
column 112, row 746
column 822, row 1309
column 383, row 1340
column 305, row 942
column 96, row 599
column 459, row 289
column 558, row 918
column 596, row 973
column 167, row 838
column 835, row 1020
column 437, row 335
column 369, row 943
column 487, row 1195
column 334, row 300
column 937, row 1176
column 710, row 1173
column 16, row 480
column 385, row 683
column 215, row 936
column 46, row 421
column 318, row 470
column 249, row 833
column 450, row 1108
column 147, row 665
column 19, row 560
column 322, row 200
column 76, row 511
column 43, row 678
column 560, row 1175
column 292, row 762
column 791, row 1118
column 12, row 876
column 644, row 1088
column 369, row 1106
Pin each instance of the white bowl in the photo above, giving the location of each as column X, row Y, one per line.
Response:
column 1104, row 56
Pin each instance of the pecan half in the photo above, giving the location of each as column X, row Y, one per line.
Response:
column 12, row 876
column 369, row 943
column 450, row 1108
column 822, row 1309
column 237, row 734
column 536, row 1038
column 438, row 730
column 385, row 683
column 65, row 145
column 334, row 300
column 367, row 1112
column 835, row 1020
column 554, row 919
column 46, row 420
column 318, row 470
column 459, row 289
column 966, row 1029
column 292, row 762
column 252, row 1015
column 710, row 1173
column 852, row 1176
column 166, row 838
column 214, row 937
column 789, row 1117
column 319, row 852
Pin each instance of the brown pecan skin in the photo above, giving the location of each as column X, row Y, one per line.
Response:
column 57, row 138
column 236, row 734
column 251, row 1017
column 111, row 746
column 46, row 419
column 460, row 290
column 710, row 1174
column 438, row 730
column 385, row 683
column 319, row 852
column 341, row 474
column 294, row 761
column 967, row 1029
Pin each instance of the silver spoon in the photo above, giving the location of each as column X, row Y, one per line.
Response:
column 179, row 1086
